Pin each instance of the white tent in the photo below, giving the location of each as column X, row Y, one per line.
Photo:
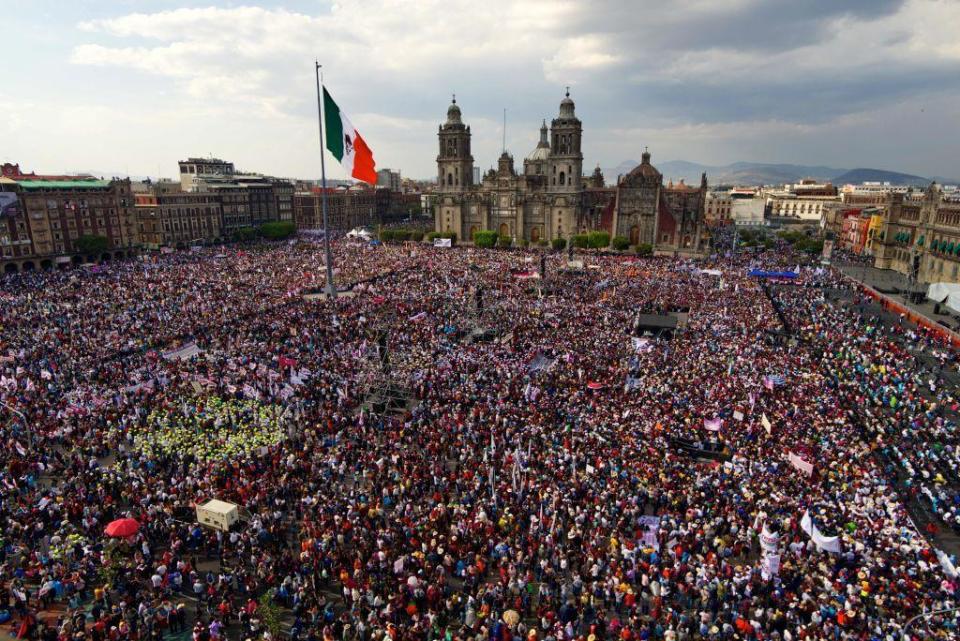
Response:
column 946, row 294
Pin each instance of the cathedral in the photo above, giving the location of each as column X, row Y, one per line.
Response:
column 551, row 198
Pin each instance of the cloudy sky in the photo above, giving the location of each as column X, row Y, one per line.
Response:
column 134, row 85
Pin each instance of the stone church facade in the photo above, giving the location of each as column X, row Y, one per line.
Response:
column 551, row 198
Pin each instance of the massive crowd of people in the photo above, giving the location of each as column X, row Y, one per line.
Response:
column 553, row 471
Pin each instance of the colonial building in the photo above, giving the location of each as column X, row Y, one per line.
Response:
column 193, row 170
column 551, row 198
column 356, row 206
column 167, row 216
column 54, row 212
column 921, row 237
column 719, row 208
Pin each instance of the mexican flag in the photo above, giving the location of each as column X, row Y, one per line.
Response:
column 345, row 143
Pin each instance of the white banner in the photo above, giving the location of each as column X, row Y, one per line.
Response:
column 182, row 353
column 769, row 541
column 800, row 464
column 442, row 242
column 827, row 543
column 770, row 565
column 766, row 423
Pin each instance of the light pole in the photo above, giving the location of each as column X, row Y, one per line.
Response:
column 926, row 615
column 23, row 419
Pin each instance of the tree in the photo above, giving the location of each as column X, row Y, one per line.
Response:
column 580, row 241
column 620, row 242
column 504, row 241
column 485, row 238
column 91, row 244
column 245, row 233
column 598, row 239
column 269, row 613
column 644, row 249
column 278, row 230
column 416, row 235
column 559, row 243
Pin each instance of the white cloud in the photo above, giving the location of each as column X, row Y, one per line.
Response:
column 576, row 56
column 391, row 65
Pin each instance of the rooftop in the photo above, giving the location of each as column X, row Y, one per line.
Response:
column 34, row 185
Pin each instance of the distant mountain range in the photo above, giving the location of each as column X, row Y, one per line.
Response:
column 756, row 173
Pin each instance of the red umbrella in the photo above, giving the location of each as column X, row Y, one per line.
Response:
column 122, row 528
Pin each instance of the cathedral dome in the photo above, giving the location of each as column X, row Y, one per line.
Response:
column 453, row 113
column 542, row 150
column 644, row 169
column 567, row 106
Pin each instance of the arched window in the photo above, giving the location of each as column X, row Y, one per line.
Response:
column 504, row 229
column 450, row 179
column 634, row 235
column 562, row 181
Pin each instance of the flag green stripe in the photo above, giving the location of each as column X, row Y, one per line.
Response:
column 333, row 125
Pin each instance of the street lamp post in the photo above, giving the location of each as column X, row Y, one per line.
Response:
column 925, row 615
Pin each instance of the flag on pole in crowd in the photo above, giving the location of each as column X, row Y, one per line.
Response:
column 766, row 424
column 713, row 424
column 346, row 144
column 772, row 381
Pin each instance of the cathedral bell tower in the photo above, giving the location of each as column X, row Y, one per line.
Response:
column 566, row 157
column 454, row 162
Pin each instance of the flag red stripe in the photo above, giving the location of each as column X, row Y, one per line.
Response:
column 363, row 166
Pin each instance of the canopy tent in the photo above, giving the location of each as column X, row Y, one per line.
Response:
column 946, row 294
column 760, row 273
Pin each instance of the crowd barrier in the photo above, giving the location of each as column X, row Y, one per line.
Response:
column 910, row 314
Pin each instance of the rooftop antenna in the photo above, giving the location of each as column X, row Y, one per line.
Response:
column 504, row 150
column 454, row 98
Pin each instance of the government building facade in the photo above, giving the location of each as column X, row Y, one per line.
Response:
column 549, row 197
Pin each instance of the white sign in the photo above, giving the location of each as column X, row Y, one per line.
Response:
column 770, row 565
column 766, row 423
column 443, row 242
column 800, row 464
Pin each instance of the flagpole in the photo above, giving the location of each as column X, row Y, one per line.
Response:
column 331, row 290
